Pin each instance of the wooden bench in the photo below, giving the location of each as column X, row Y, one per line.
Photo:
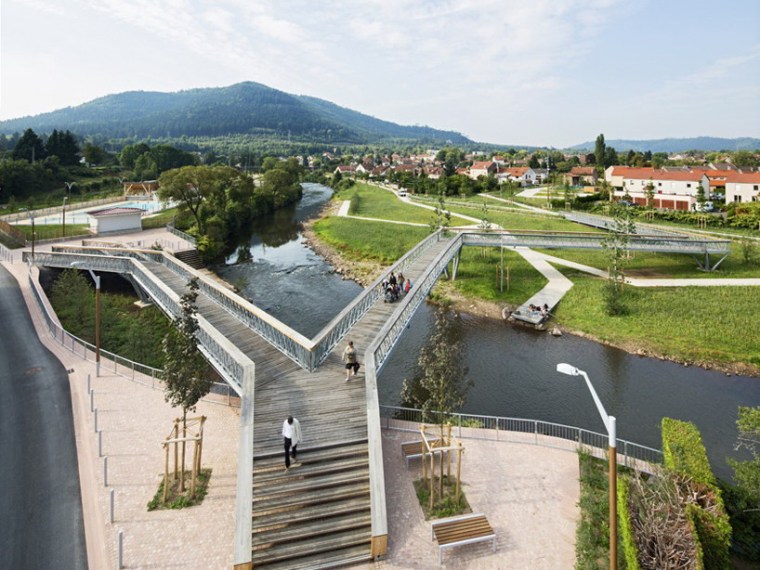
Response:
column 464, row 529
column 411, row 449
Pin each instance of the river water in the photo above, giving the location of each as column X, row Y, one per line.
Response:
column 513, row 368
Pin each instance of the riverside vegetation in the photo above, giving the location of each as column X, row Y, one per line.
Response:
column 686, row 324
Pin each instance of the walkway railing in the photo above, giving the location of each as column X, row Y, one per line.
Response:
column 179, row 233
column 608, row 224
column 335, row 330
column 578, row 240
column 221, row 393
column 538, row 432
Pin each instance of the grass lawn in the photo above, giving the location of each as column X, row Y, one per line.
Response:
column 694, row 324
column 372, row 202
column 664, row 264
column 361, row 239
column 53, row 231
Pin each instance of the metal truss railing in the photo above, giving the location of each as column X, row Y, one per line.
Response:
column 326, row 340
column 660, row 244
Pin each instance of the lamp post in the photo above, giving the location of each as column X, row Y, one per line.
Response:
column 64, row 216
column 31, row 218
column 610, row 425
column 96, row 279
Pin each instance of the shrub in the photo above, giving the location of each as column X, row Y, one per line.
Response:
column 685, row 455
column 626, row 537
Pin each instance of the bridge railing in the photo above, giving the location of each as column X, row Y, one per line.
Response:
column 326, row 340
column 389, row 335
column 520, row 430
column 225, row 356
column 179, row 233
column 663, row 244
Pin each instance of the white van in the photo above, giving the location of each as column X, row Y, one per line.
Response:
column 402, row 193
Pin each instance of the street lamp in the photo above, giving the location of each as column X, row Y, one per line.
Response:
column 610, row 425
column 31, row 217
column 96, row 279
column 64, row 215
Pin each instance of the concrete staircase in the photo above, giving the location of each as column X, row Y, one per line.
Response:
column 191, row 257
column 317, row 514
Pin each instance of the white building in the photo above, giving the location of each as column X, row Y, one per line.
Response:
column 672, row 190
column 118, row 219
column 742, row 187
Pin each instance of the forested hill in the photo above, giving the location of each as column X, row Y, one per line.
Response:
column 676, row 145
column 241, row 109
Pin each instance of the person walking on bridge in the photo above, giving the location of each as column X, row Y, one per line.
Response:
column 349, row 357
column 291, row 433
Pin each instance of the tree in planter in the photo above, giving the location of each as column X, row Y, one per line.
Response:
column 185, row 369
column 440, row 383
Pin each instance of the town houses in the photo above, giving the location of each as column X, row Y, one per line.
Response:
column 679, row 188
column 675, row 183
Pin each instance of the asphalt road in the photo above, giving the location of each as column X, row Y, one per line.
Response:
column 41, row 524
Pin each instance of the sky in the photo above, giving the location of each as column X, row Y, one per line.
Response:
column 514, row 72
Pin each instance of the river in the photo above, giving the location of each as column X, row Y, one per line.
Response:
column 513, row 368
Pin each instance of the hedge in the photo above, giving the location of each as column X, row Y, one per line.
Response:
column 626, row 538
column 684, row 453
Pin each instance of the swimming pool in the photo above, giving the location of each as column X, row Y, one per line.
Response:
column 83, row 217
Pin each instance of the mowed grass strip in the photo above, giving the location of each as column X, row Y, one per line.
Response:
column 695, row 324
column 665, row 265
column 361, row 239
column 373, row 202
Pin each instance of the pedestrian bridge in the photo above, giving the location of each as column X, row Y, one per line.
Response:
column 331, row 510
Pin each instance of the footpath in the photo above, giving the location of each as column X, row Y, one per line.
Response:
column 528, row 493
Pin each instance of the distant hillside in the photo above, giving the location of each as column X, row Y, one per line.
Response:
column 676, row 145
column 241, row 109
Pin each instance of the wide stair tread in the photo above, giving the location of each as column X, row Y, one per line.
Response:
column 316, row 483
column 310, row 495
column 345, row 556
column 296, row 554
column 314, row 512
column 328, row 452
column 276, row 474
column 300, row 530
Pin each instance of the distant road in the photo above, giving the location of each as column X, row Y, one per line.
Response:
column 41, row 524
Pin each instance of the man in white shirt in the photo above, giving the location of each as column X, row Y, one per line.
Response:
column 291, row 433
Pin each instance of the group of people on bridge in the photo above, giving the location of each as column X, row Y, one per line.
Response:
column 394, row 287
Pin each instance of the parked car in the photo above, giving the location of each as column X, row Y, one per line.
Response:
column 402, row 193
column 706, row 207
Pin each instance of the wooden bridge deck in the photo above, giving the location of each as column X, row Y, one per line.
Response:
column 329, row 521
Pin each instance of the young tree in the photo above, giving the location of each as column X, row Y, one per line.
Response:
column 616, row 250
column 185, row 369
column 442, row 217
column 649, row 193
column 440, row 383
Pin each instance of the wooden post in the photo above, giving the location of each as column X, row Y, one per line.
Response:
column 195, row 469
column 166, row 471
column 448, row 444
column 424, row 448
column 432, row 476
column 175, row 436
column 184, row 447
column 459, row 468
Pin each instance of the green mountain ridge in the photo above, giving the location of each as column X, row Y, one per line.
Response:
column 703, row 143
column 242, row 109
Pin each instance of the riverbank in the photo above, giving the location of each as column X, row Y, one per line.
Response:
column 365, row 272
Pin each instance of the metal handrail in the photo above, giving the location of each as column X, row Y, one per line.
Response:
column 471, row 426
column 122, row 366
